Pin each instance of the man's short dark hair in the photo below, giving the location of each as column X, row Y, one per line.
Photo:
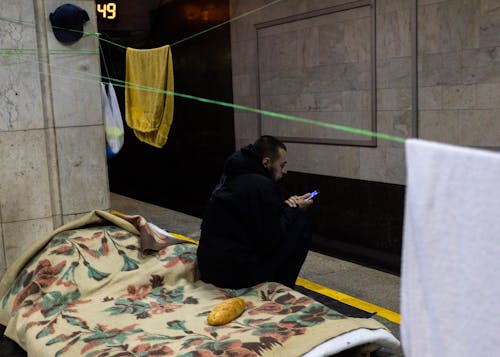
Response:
column 269, row 146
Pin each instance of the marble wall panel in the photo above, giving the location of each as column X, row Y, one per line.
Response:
column 385, row 164
column 259, row 13
column 301, row 102
column 394, row 99
column 394, row 73
column 78, row 70
column 392, row 5
column 21, row 104
column 357, row 37
column 322, row 47
column 427, row 2
column 245, row 52
column 459, row 25
column 340, row 77
column 245, row 85
column 247, row 100
column 284, row 8
column 448, row 26
column 30, row 204
column 481, row 65
column 245, row 31
column 3, row 260
column 393, row 122
column 430, row 98
column 326, row 45
column 489, row 6
column 356, row 100
column 440, row 69
column 18, row 25
column 278, row 52
column 395, row 165
column 480, row 57
column 485, row 74
column 348, row 101
column 393, row 33
column 24, row 184
column 308, row 47
column 81, row 105
column 489, row 25
column 331, row 160
column 284, row 82
column 247, row 126
column 439, row 125
column 20, row 235
column 458, row 77
column 83, row 172
column 289, row 128
column 459, row 97
column 19, row 79
column 428, row 28
column 320, row 124
column 487, row 95
column 341, row 89
column 479, row 127
column 53, row 174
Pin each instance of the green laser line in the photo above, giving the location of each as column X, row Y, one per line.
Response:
column 344, row 128
column 98, row 35
column 225, row 22
column 338, row 127
column 17, row 21
column 12, row 52
column 124, row 84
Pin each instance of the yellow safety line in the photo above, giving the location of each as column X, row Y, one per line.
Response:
column 181, row 237
column 351, row 301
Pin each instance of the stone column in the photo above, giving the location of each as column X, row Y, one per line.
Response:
column 52, row 145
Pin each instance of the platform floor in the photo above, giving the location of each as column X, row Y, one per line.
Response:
column 352, row 284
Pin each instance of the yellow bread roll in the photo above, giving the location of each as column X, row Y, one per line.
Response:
column 226, row 311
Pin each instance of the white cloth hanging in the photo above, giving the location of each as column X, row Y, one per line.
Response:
column 450, row 281
column 113, row 122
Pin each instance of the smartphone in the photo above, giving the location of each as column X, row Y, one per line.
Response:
column 314, row 193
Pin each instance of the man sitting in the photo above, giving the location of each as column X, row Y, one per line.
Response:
column 249, row 234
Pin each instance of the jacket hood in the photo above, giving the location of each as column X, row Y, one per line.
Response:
column 245, row 161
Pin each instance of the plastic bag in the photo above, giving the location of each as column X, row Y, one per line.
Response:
column 113, row 123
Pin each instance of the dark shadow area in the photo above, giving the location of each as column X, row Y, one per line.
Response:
column 8, row 348
column 334, row 304
column 182, row 174
column 356, row 220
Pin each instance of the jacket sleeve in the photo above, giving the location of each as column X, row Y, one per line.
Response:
column 271, row 217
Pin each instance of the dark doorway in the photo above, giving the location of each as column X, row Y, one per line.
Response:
column 181, row 175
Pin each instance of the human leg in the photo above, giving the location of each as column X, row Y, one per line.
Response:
column 293, row 252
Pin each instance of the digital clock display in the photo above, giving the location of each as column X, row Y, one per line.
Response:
column 107, row 10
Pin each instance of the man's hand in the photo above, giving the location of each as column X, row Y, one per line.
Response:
column 299, row 202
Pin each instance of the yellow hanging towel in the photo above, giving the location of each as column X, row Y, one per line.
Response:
column 150, row 111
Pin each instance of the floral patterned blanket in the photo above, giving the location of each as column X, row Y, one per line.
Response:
column 87, row 289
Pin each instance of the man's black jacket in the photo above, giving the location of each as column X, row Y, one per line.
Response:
column 244, row 224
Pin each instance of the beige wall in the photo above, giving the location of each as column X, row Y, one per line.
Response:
column 457, row 82
column 52, row 143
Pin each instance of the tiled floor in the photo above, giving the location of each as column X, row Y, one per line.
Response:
column 366, row 284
